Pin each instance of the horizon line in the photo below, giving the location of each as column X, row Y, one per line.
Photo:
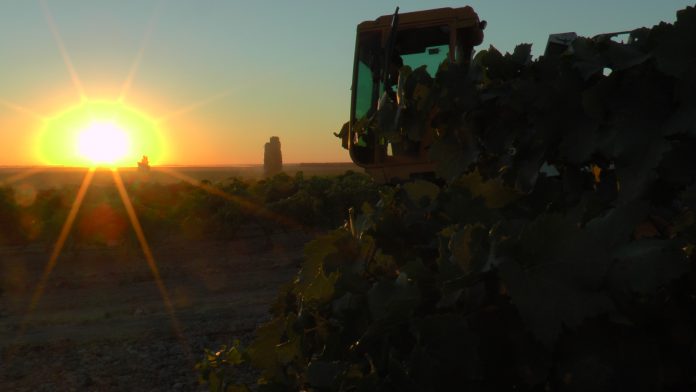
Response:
column 220, row 165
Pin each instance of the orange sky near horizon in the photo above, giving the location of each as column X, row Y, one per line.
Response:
column 194, row 132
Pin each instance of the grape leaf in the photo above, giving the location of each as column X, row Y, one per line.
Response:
column 615, row 227
column 645, row 265
column 421, row 192
column 493, row 191
column 469, row 248
column 554, row 273
column 392, row 300
column 262, row 351
column 452, row 158
column 312, row 283
column 321, row 374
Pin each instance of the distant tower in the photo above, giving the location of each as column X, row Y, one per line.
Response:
column 272, row 157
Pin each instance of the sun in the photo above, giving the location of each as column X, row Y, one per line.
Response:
column 100, row 133
column 103, row 143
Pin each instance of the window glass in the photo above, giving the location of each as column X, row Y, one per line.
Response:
column 363, row 95
column 431, row 57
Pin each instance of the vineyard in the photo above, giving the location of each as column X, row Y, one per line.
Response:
column 556, row 253
column 189, row 210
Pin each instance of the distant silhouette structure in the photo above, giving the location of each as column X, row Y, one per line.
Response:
column 272, row 157
column 144, row 164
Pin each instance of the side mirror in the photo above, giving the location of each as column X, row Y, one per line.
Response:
column 343, row 134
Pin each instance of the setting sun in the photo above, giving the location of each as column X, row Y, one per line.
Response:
column 103, row 143
column 100, row 133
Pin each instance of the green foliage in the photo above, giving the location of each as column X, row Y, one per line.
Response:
column 182, row 210
column 558, row 254
column 324, row 201
column 9, row 217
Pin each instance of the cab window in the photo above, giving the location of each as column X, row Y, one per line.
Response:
column 431, row 57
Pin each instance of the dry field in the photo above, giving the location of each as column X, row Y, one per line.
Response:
column 102, row 324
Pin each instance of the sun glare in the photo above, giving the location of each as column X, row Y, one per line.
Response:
column 100, row 133
column 103, row 143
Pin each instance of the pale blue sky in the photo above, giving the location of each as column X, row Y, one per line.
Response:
column 285, row 65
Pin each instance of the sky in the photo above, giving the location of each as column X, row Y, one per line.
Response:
column 218, row 78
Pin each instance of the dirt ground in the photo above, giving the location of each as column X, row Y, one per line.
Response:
column 102, row 324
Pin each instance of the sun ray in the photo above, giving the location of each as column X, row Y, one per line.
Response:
column 61, row 47
column 141, row 51
column 254, row 208
column 149, row 258
column 55, row 253
column 196, row 105
column 22, row 109
column 21, row 175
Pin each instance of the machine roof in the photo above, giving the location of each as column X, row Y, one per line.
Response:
column 462, row 16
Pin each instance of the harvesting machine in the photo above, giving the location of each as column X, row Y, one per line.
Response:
column 416, row 39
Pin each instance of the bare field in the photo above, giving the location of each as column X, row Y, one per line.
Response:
column 102, row 324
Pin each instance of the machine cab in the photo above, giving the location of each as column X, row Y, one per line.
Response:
column 415, row 39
